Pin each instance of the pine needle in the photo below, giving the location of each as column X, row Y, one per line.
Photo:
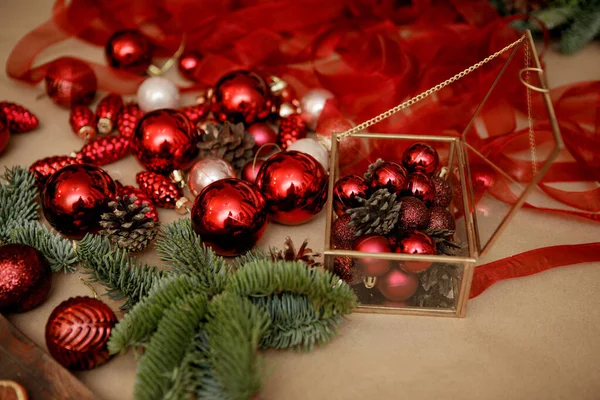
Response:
column 584, row 28
column 18, row 204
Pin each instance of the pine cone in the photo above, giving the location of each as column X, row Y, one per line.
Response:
column 127, row 225
column 19, row 118
column 376, row 215
column 228, row 141
column 444, row 241
column 142, row 198
column 369, row 174
column 289, row 253
column 128, row 119
column 46, row 167
column 436, row 289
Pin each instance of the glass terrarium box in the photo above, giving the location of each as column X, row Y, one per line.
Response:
column 410, row 213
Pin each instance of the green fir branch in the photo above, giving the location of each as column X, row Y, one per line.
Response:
column 187, row 377
column 256, row 254
column 18, row 204
column 584, row 28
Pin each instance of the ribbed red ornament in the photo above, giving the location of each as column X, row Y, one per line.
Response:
column 291, row 129
column 46, row 167
column 19, row 118
column 196, row 112
column 104, row 150
column 107, row 111
column 83, row 122
column 70, row 81
column 161, row 190
column 142, row 198
column 77, row 332
column 128, row 118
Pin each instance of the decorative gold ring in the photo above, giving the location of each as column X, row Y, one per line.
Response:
column 529, row 85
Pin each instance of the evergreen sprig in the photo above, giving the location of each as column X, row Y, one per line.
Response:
column 18, row 204
column 584, row 28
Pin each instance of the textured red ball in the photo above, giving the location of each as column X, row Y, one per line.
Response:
column 443, row 192
column 129, row 50
column 440, row 219
column 420, row 186
column 4, row 132
column 77, row 332
column 164, row 140
column 25, row 278
column 70, row 82
column 398, row 285
column 388, row 175
column 295, row 186
column 344, row 268
column 413, row 214
column 342, row 233
column 369, row 266
column 241, row 96
column 416, row 242
column 263, row 134
column 189, row 64
column 75, row 197
column 250, row 170
column 421, row 157
column 345, row 192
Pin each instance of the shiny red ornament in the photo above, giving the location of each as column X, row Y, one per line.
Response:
column 241, row 96
column 142, row 198
column 104, row 150
column 107, row 112
column 416, row 242
column 165, row 140
column 342, row 233
column 413, row 214
column 25, row 278
column 83, row 122
column 372, row 244
column 295, row 186
column 75, row 197
column 263, row 134
column 345, row 192
column 420, row 186
column 128, row 118
column 4, row 132
column 398, row 285
column 159, row 188
column 129, row 50
column 230, row 215
column 196, row 113
column 440, row 219
column 20, row 119
column 189, row 64
column 388, row 175
column 443, row 192
column 70, row 81
column 291, row 129
column 77, row 333
column 250, row 170
column 420, row 157
column 46, row 167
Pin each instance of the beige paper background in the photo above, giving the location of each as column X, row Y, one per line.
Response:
column 532, row 338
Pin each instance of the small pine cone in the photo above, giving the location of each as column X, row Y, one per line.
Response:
column 376, row 215
column 127, row 225
column 104, row 150
column 128, row 118
column 369, row 174
column 83, row 122
column 107, row 111
column 159, row 188
column 229, row 141
column 291, row 129
column 289, row 253
column 436, row 289
column 20, row 119
column 141, row 198
column 46, row 167
column 196, row 112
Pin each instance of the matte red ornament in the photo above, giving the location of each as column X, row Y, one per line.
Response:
column 443, row 192
column 295, row 186
column 398, row 285
column 420, row 157
column 388, row 175
column 415, row 242
column 413, row 214
column 291, row 129
column 25, row 278
column 70, row 81
column 196, row 113
column 250, row 170
column 372, row 244
column 159, row 188
column 129, row 50
column 20, row 119
column 77, row 333
column 345, row 192
column 83, row 122
column 128, row 118
column 263, row 134
column 440, row 219
column 241, row 96
column 107, row 112
column 4, row 132
column 75, row 197
column 142, row 198
column 344, row 268
column 165, row 140
column 420, row 186
column 342, row 233
column 189, row 64
column 104, row 150
column 46, row 167
column 230, row 215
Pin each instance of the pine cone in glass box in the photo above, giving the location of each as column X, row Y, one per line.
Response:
column 376, row 215
column 289, row 253
column 228, row 141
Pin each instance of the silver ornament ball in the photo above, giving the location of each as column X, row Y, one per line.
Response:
column 207, row 171
column 156, row 93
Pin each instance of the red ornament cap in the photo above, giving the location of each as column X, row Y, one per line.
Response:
column 345, row 192
column 342, row 233
column 128, row 118
column 388, row 175
column 107, row 112
column 129, row 50
column 83, row 122
column 20, row 119
column 421, row 157
column 104, row 150
column 70, row 81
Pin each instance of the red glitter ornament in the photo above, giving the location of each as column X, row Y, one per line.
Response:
column 25, row 278
column 295, row 186
column 398, row 285
column 195, row 113
column 104, row 150
column 388, row 175
column 420, row 186
column 142, row 198
column 20, row 119
column 129, row 50
column 346, row 190
column 4, row 132
column 241, row 96
column 128, row 118
column 344, row 268
column 250, row 170
column 342, row 233
column 189, row 64
column 291, row 129
column 230, row 215
column 443, row 192
column 77, row 333
column 420, row 157
column 107, row 111
column 165, row 140
column 372, row 244
column 413, row 214
column 70, row 82
column 159, row 188
column 75, row 197
column 415, row 242
column 46, row 167
column 440, row 219
column 263, row 134
column 83, row 122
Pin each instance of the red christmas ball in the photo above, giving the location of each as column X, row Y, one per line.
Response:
column 263, row 134
column 129, row 50
column 372, row 244
column 443, row 192
column 189, row 64
column 4, row 132
column 230, row 215
column 398, row 285
column 77, row 332
column 416, row 242
column 344, row 268
column 440, row 219
column 25, row 278
column 70, row 82
column 295, row 186
column 241, row 96
column 388, row 175
column 413, row 214
column 420, row 186
column 420, row 157
column 345, row 192
column 342, row 233
column 164, row 140
column 250, row 170
column 75, row 197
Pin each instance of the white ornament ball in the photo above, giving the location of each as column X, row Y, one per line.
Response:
column 313, row 148
column 156, row 93
column 207, row 171
column 312, row 105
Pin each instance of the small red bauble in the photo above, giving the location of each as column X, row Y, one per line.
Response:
column 372, row 244
column 25, row 278
column 346, row 190
column 291, row 129
column 342, row 233
column 443, row 192
column 77, row 332
column 189, row 64
column 263, row 134
column 4, row 132
column 164, row 140
column 20, row 119
column 129, row 50
column 295, row 186
column 104, row 150
column 241, row 96
column 398, row 285
column 416, row 242
column 230, row 216
column 83, row 122
column 70, row 81
column 413, row 214
column 420, row 186
column 159, row 188
column 107, row 111
column 388, row 175
column 250, row 170
column 440, row 219
column 420, row 157
column 128, row 118
column 75, row 197
column 46, row 167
